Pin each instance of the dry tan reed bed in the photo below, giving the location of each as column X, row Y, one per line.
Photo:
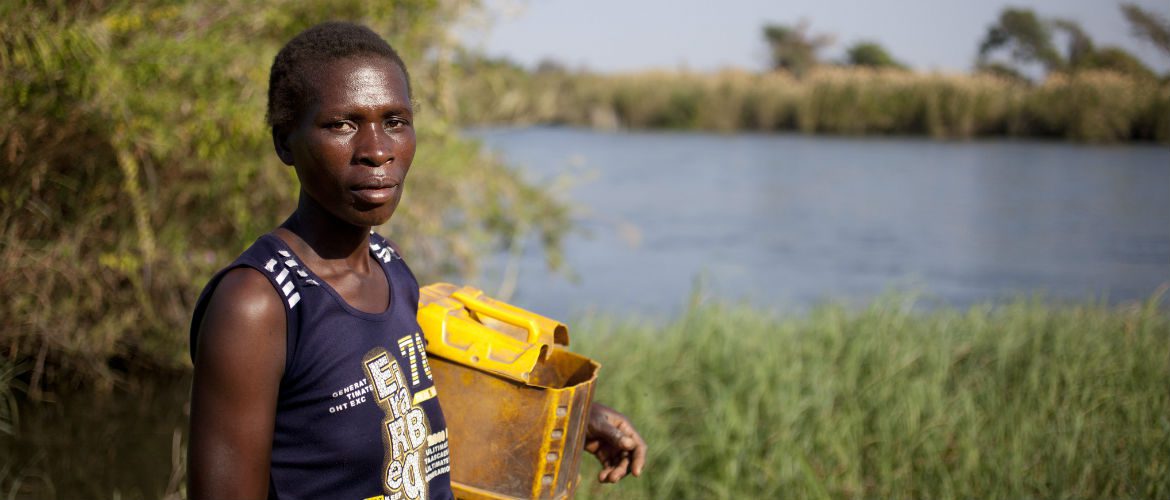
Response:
column 1098, row 107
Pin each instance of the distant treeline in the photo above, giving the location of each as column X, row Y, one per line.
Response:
column 1086, row 106
column 1088, row 93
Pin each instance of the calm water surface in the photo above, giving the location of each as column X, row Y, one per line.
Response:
column 787, row 221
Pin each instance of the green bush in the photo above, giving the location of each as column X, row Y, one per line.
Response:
column 136, row 161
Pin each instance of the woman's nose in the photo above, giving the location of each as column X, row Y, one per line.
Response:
column 374, row 147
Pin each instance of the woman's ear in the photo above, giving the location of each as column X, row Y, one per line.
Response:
column 280, row 143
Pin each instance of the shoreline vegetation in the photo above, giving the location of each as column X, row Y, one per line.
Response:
column 1091, row 106
column 1027, row 399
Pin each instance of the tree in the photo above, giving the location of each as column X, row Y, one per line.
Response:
column 871, row 54
column 793, row 48
column 1080, row 45
column 1081, row 53
column 1028, row 39
column 1119, row 61
column 1148, row 26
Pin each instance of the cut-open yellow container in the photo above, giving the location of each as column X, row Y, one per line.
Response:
column 516, row 401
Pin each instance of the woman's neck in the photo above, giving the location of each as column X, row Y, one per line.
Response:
column 325, row 239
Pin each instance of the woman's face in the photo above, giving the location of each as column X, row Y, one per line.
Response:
column 354, row 142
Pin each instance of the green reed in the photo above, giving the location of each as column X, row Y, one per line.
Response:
column 1027, row 400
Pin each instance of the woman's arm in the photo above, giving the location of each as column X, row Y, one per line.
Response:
column 239, row 360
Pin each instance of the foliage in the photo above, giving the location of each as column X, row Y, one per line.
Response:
column 1148, row 26
column 136, row 162
column 1117, row 60
column 10, row 386
column 1080, row 45
column 1025, row 400
column 1029, row 39
column 872, row 55
column 1025, row 36
column 793, row 49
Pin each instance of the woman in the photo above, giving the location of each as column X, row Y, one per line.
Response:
column 305, row 384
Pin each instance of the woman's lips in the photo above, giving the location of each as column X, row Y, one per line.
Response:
column 375, row 191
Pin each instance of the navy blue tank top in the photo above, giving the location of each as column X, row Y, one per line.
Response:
column 357, row 415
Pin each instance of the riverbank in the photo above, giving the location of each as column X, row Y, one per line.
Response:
column 1090, row 106
column 1025, row 400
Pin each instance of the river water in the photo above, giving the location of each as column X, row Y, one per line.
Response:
column 781, row 221
column 787, row 221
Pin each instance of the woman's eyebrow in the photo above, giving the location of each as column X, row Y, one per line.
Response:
column 361, row 108
column 354, row 114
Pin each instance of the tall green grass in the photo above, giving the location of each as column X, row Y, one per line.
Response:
column 1089, row 106
column 1026, row 400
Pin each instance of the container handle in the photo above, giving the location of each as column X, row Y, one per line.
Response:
column 509, row 317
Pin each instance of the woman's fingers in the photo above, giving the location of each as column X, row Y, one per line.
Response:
column 633, row 442
column 614, row 472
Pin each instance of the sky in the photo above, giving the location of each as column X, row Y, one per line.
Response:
column 631, row 35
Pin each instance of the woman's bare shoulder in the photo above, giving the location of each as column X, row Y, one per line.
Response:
column 245, row 317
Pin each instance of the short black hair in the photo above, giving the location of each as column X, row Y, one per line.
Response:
column 298, row 60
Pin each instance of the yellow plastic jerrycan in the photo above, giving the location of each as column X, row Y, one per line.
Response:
column 515, row 400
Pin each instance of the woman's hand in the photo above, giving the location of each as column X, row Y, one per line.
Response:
column 612, row 438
